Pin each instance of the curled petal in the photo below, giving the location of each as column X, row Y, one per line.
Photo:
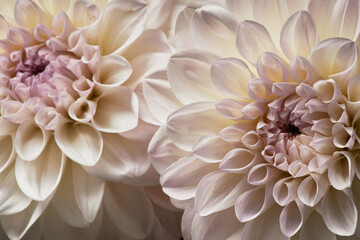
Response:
column 253, row 141
column 80, row 142
column 312, row 189
column 301, row 70
column 291, row 219
column 285, row 190
column 15, row 111
column 339, row 212
column 272, row 68
column 83, row 86
column 239, row 160
column 211, row 148
column 341, row 170
column 48, row 118
column 262, row 174
column 260, row 89
column 298, row 35
column 82, row 110
column 344, row 137
column 116, row 110
column 27, row 14
column 86, row 13
column 328, row 91
column 230, row 108
column 30, row 141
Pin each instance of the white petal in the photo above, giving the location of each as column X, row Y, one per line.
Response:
column 130, row 209
column 252, row 40
column 7, row 154
column 291, row 219
column 53, row 7
column 218, row 191
column 189, row 76
column 231, row 108
column 12, row 199
column 339, row 212
column 18, row 224
column 121, row 159
column 80, row 142
column 231, row 76
column 263, row 173
column 117, row 110
column 242, row 9
column 187, row 220
column 240, row 160
column 159, row 98
column 341, row 170
column 30, row 140
column 315, row 229
column 285, row 190
column 298, row 35
column 85, row 13
column 38, row 179
column 145, row 114
column 189, row 123
column 211, row 148
column 121, row 23
column 312, row 189
column 180, row 180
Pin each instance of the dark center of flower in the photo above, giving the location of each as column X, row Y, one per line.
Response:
column 33, row 67
column 291, row 130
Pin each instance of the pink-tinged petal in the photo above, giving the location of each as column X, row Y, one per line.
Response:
column 336, row 58
column 117, row 110
column 189, row 76
column 273, row 14
column 312, row 189
column 328, row 91
column 253, row 203
column 121, row 159
column 187, row 220
column 224, row 222
column 211, row 148
column 231, row 76
column 162, row 151
column 112, row 71
column 214, row 28
column 30, row 141
column 285, row 190
column 231, row 108
column 252, row 40
column 270, row 227
column 240, row 160
column 28, row 14
column 291, row 219
column 39, row 178
column 17, row 225
column 121, row 23
column 7, row 154
column 54, row 228
column 339, row 212
column 315, row 229
column 159, row 98
column 181, row 178
column 292, row 39
column 189, row 123
column 321, row 10
column 262, row 174
column 218, row 191
column 12, row 199
column 130, row 209
column 80, row 142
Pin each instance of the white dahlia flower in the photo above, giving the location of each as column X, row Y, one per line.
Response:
column 73, row 150
column 261, row 120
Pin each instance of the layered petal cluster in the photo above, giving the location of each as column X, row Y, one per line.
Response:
column 73, row 149
column 260, row 121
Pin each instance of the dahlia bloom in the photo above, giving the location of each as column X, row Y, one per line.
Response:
column 73, row 150
column 260, row 120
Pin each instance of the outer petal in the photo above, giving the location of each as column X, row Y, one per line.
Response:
column 7, row 154
column 121, row 159
column 39, row 178
column 130, row 209
column 297, row 27
column 339, row 212
column 53, row 7
column 211, row 148
column 188, row 124
column 315, row 229
column 28, row 14
column 117, row 110
column 189, row 76
column 80, row 142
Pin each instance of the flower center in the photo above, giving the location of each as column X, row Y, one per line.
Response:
column 291, row 130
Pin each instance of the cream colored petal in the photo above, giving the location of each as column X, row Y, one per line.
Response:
column 12, row 199
column 82, row 110
column 301, row 70
column 298, row 35
column 312, row 189
column 39, row 178
column 231, row 76
column 336, row 58
column 211, row 148
column 242, row 9
column 121, row 159
column 344, row 137
column 218, row 191
column 290, row 219
column 85, row 13
column 224, row 222
column 315, row 229
column 28, row 14
column 121, row 23
column 321, row 11
column 272, row 68
column 261, row 91
column 30, row 141
column 7, row 154
column 251, row 204
column 89, row 191
column 339, row 212
column 328, row 91
column 162, row 151
column 15, row 111
column 240, row 160
column 7, row 127
column 186, row 125
column 145, row 115
column 285, row 190
column 180, row 179
column 48, row 118
column 159, row 98
column 55, row 6
column 116, row 111
column 130, row 209
column 252, row 40
column 17, row 225
column 80, row 142
column 189, row 76
column 112, row 71
column 214, row 28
